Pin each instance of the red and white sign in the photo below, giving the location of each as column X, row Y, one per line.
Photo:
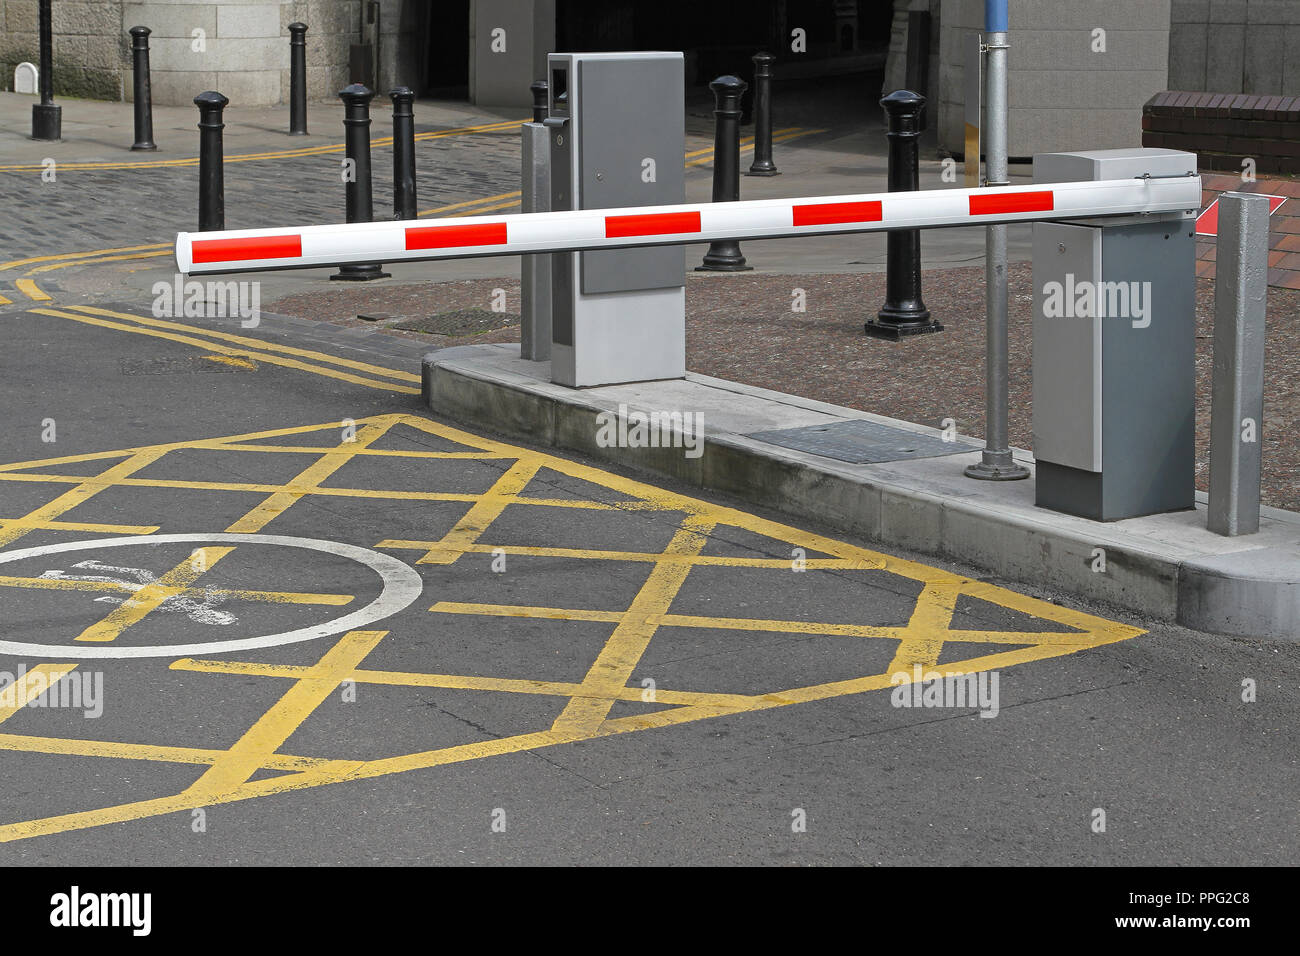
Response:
column 1207, row 223
column 251, row 250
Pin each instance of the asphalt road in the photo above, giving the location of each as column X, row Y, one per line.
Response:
column 549, row 663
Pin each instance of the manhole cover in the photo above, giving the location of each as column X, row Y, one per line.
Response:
column 861, row 442
column 461, row 322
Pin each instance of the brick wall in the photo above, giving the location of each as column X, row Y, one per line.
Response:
column 1226, row 128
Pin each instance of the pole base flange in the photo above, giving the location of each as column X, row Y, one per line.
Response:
column 757, row 171
column 896, row 332
column 996, row 468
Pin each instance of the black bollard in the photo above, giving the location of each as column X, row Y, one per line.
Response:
column 724, row 255
column 540, row 109
column 142, row 93
column 297, row 79
column 903, row 312
column 47, row 119
column 356, row 135
column 762, row 164
column 212, row 186
column 403, row 153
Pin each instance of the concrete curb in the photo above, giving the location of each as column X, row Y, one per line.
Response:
column 1165, row 566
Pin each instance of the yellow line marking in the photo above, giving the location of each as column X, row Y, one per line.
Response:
column 152, row 596
column 926, row 631
column 621, row 653
column 235, row 594
column 6, row 301
column 13, row 528
column 644, row 556
column 15, row 263
column 14, row 697
column 266, row 357
column 77, row 747
column 87, row 525
column 457, row 682
column 29, row 288
column 486, row 510
column 473, row 202
column 261, row 344
column 500, row 126
column 238, row 361
column 76, row 262
column 273, row 728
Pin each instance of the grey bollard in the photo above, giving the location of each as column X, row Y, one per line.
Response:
column 1237, row 413
column 535, row 270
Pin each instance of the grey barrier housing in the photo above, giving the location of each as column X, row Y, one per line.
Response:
column 617, row 136
column 1114, row 383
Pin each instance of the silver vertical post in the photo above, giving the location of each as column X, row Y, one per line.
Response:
column 535, row 270
column 995, row 463
column 1236, row 417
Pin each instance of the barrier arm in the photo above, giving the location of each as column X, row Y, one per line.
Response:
column 306, row 247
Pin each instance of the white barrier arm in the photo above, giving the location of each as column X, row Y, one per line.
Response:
column 251, row 250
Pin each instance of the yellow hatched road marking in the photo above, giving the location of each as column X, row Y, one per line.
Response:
column 249, row 754
column 617, row 659
column 14, row 697
column 585, row 715
column 153, row 595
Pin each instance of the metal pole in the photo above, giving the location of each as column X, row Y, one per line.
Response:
column 996, row 463
column 297, row 79
column 141, row 93
column 762, row 164
column 403, row 153
column 212, row 188
column 903, row 313
column 360, row 208
column 724, row 255
column 1237, row 412
column 535, row 270
column 47, row 119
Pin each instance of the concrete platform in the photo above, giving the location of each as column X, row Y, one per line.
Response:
column 1166, row 566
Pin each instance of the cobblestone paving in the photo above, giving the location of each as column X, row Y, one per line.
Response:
column 87, row 209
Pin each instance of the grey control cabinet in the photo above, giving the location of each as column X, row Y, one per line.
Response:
column 617, row 139
column 1114, row 348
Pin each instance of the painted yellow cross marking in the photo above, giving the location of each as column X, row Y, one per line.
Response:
column 583, row 705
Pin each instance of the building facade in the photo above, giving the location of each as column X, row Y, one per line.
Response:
column 1080, row 70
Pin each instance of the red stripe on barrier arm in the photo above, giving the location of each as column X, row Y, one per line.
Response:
column 240, row 250
column 446, row 237
column 651, row 224
column 829, row 213
column 1016, row 202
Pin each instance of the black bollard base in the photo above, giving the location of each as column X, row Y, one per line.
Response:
column 896, row 329
column 47, row 122
column 361, row 273
column 144, row 146
column 724, row 257
column 763, row 172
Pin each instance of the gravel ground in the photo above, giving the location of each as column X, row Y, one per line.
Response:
column 741, row 327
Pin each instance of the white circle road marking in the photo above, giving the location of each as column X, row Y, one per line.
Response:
column 402, row 585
